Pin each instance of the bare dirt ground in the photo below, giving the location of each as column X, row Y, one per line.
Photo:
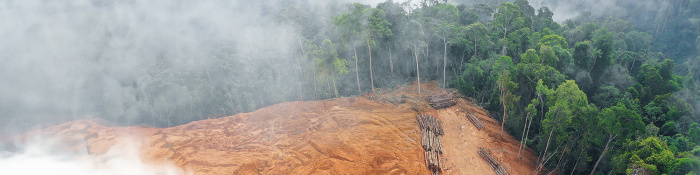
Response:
column 373, row 134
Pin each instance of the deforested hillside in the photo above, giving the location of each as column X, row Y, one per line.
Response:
column 373, row 134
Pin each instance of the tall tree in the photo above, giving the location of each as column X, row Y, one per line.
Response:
column 352, row 26
column 507, row 20
column 582, row 55
column 298, row 20
column 566, row 103
column 478, row 33
column 446, row 28
column 617, row 123
column 412, row 36
column 531, row 113
column 603, row 42
column 508, row 99
column 378, row 27
column 328, row 65
column 396, row 15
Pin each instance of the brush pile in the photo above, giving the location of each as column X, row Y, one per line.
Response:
column 442, row 100
column 431, row 130
column 492, row 162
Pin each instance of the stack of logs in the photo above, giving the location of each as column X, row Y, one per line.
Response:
column 442, row 100
column 479, row 125
column 492, row 162
column 431, row 130
column 472, row 117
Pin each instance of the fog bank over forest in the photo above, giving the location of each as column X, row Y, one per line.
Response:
column 130, row 60
column 127, row 60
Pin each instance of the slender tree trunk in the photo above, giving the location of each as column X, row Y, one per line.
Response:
column 544, row 161
column 522, row 138
column 560, row 158
column 503, row 52
column 230, row 99
column 631, row 66
column 211, row 87
column 415, row 52
column 594, row 60
column 444, row 64
column 313, row 61
column 503, row 100
column 544, row 154
column 301, row 70
column 461, row 61
column 664, row 24
column 539, row 96
column 261, row 99
column 658, row 27
column 357, row 72
column 427, row 50
column 335, row 89
column 371, row 77
column 153, row 117
column 543, row 59
column 505, row 32
column 575, row 164
column 301, row 95
column 391, row 63
column 408, row 65
column 526, row 133
column 474, row 47
column 603, row 154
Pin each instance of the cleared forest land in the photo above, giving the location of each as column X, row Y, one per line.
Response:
column 372, row 134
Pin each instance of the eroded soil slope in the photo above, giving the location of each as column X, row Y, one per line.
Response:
column 373, row 134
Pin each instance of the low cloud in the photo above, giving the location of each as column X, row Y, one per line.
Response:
column 41, row 155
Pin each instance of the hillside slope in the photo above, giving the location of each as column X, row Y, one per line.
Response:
column 373, row 134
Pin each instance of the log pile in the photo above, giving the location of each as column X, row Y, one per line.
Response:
column 442, row 100
column 431, row 130
column 479, row 125
column 430, row 123
column 472, row 118
column 492, row 162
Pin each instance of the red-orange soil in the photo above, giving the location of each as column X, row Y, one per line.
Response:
column 373, row 134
